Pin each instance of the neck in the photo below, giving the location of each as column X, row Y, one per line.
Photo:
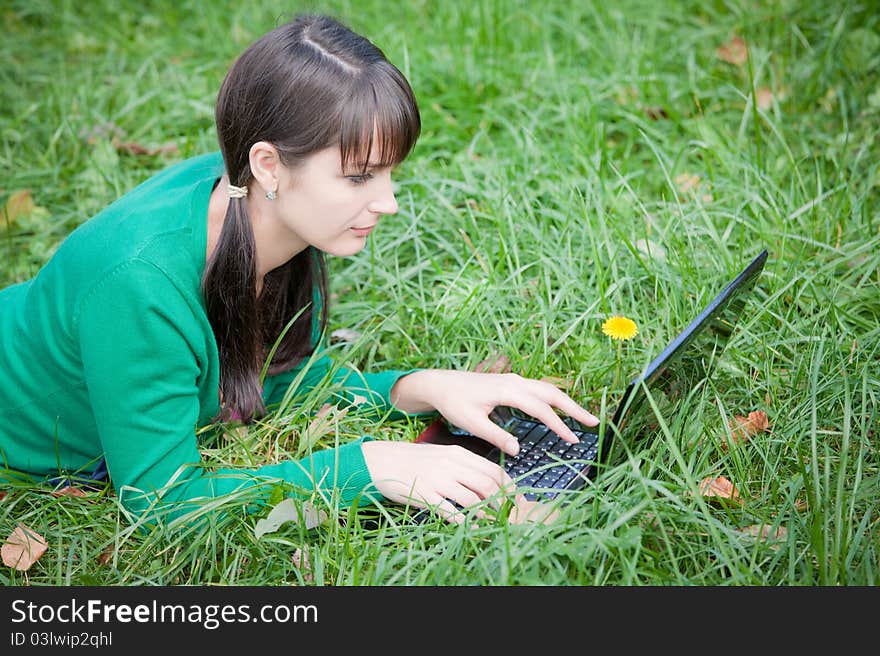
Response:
column 275, row 246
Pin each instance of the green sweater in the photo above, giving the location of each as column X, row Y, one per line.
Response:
column 108, row 352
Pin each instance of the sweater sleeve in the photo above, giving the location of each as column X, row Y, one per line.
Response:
column 139, row 346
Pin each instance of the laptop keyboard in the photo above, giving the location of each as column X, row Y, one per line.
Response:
column 541, row 461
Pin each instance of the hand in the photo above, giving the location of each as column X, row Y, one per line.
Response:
column 466, row 398
column 435, row 475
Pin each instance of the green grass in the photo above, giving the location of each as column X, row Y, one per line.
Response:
column 539, row 173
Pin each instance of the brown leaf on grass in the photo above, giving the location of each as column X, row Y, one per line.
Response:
column 687, row 182
column 20, row 203
column 3, row 495
column 801, row 505
column 765, row 532
column 300, row 560
column 627, row 95
column 23, row 548
column 763, row 98
column 719, row 489
column 742, row 428
column 656, row 113
column 651, row 250
column 497, row 363
column 135, row 148
column 106, row 555
column 287, row 511
column 733, row 52
column 346, row 335
column 323, row 423
column 529, row 289
column 68, row 491
column 532, row 511
column 99, row 132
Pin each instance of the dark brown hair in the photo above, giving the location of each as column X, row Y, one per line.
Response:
column 305, row 86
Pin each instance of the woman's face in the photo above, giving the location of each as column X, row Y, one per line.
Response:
column 331, row 209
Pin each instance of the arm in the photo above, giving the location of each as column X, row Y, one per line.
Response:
column 139, row 344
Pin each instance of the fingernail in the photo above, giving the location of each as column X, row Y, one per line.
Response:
column 512, row 447
column 576, row 438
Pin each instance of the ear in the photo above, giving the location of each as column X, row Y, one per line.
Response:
column 265, row 165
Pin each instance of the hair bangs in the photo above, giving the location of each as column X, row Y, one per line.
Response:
column 380, row 118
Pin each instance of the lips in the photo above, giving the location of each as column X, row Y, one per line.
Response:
column 363, row 232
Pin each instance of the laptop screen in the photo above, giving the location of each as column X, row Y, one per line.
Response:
column 690, row 356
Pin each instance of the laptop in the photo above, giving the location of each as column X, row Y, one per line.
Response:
column 546, row 465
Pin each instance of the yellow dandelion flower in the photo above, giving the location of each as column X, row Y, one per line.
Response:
column 620, row 328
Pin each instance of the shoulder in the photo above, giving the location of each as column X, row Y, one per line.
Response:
column 160, row 221
column 138, row 302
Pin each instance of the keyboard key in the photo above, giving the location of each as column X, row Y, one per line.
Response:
column 529, row 481
column 549, row 477
column 565, row 479
column 522, row 428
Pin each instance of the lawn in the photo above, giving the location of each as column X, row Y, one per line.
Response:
column 577, row 161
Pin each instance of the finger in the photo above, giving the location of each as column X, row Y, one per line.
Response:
column 544, row 412
column 487, row 488
column 470, row 460
column 494, row 434
column 559, row 399
column 449, row 512
column 564, row 402
column 439, row 504
column 462, row 495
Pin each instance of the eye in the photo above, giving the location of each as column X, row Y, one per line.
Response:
column 360, row 179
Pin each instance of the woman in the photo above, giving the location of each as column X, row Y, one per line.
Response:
column 156, row 316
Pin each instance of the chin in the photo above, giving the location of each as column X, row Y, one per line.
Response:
column 345, row 250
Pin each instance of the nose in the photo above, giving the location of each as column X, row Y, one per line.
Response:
column 384, row 202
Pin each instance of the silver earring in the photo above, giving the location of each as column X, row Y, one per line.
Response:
column 271, row 195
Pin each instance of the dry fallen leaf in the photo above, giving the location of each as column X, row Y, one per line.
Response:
column 733, row 52
column 20, row 203
column 687, row 182
column 300, row 560
column 719, row 489
column 106, row 555
column 497, row 363
column 100, row 132
column 23, row 548
column 763, row 98
column 286, row 511
column 655, row 113
column 346, row 335
column 68, row 491
column 134, row 148
column 325, row 420
column 742, row 428
column 2, row 495
column 651, row 249
column 766, row 533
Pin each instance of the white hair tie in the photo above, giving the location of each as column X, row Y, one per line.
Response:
column 237, row 192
